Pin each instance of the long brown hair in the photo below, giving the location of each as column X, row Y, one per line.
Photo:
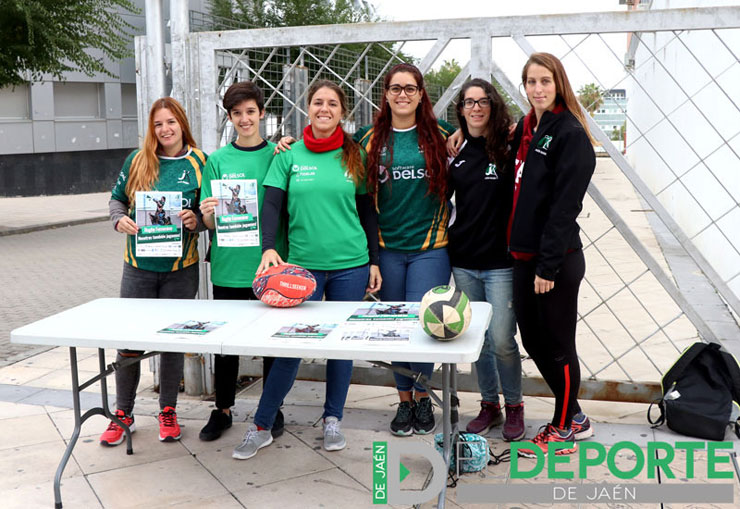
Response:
column 497, row 130
column 144, row 170
column 565, row 95
column 351, row 152
column 431, row 142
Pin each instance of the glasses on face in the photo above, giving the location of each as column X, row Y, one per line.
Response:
column 469, row 104
column 409, row 89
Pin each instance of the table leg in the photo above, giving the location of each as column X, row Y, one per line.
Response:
column 446, row 428
column 106, row 408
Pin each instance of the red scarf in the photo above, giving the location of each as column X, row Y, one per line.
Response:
column 530, row 121
column 313, row 144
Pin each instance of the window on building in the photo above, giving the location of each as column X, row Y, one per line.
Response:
column 78, row 100
column 15, row 103
column 128, row 100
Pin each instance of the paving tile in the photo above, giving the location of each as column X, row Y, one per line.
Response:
column 20, row 375
column 326, row 489
column 27, row 430
column 286, row 458
column 64, row 421
column 220, row 502
column 11, row 410
column 162, row 483
column 63, row 399
column 33, row 464
column 76, row 494
column 13, row 393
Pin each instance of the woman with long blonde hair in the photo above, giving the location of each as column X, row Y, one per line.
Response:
column 169, row 161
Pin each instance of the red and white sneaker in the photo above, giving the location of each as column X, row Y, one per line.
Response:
column 169, row 430
column 550, row 433
column 114, row 435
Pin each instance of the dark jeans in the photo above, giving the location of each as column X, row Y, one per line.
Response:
column 146, row 284
column 547, row 323
column 338, row 285
column 407, row 277
column 226, row 367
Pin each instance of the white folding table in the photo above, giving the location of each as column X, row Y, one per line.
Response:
column 134, row 324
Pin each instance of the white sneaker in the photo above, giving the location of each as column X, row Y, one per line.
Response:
column 333, row 437
column 253, row 441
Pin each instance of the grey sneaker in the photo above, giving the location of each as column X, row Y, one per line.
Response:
column 253, row 441
column 333, row 437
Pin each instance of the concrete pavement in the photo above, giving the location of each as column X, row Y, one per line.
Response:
column 54, row 266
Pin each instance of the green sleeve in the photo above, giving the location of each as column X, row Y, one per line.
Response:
column 360, row 133
column 279, row 172
column 119, row 188
column 209, row 174
column 446, row 128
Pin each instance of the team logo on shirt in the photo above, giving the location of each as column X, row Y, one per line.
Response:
column 184, row 178
column 491, row 172
column 459, row 163
column 383, row 175
column 544, row 143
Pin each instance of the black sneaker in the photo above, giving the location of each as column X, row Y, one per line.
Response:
column 278, row 427
column 403, row 423
column 217, row 424
column 424, row 417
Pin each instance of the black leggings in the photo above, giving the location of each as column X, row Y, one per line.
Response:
column 226, row 367
column 547, row 324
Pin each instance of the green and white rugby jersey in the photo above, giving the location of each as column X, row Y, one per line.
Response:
column 409, row 218
column 181, row 174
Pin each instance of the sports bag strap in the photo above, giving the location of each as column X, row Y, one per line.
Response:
column 682, row 363
column 734, row 370
column 661, row 418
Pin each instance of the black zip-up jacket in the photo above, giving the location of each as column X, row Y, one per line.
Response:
column 556, row 173
column 483, row 195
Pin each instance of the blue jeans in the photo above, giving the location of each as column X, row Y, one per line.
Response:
column 499, row 358
column 338, row 285
column 407, row 277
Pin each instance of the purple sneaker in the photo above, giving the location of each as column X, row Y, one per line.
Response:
column 514, row 426
column 490, row 415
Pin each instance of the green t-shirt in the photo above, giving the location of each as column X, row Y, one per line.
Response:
column 324, row 231
column 236, row 267
column 409, row 219
column 181, row 174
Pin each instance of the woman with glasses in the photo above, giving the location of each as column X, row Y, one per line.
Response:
column 407, row 174
column 482, row 178
column 554, row 164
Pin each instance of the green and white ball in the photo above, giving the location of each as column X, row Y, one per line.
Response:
column 444, row 312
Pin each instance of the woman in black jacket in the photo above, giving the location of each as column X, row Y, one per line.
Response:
column 554, row 164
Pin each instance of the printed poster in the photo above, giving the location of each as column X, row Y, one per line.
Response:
column 379, row 312
column 191, row 327
column 237, row 212
column 305, row 331
column 378, row 332
column 160, row 226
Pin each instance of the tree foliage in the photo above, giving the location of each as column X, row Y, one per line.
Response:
column 591, row 96
column 289, row 13
column 40, row 37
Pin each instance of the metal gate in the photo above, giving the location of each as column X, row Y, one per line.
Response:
column 650, row 289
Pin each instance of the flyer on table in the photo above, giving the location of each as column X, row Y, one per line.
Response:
column 160, row 226
column 305, row 330
column 237, row 212
column 191, row 327
column 380, row 311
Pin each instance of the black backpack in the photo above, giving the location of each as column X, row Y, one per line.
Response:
column 699, row 392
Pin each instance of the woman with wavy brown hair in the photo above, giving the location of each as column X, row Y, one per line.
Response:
column 332, row 232
column 482, row 178
column 169, row 161
column 407, row 174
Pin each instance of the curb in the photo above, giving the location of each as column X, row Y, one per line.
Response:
column 48, row 226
